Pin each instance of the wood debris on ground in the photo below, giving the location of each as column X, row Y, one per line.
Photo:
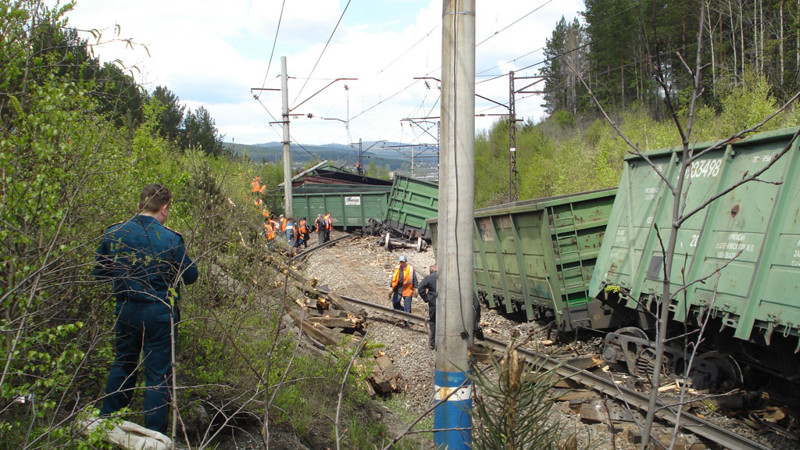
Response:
column 327, row 319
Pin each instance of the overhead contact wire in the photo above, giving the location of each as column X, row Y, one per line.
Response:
column 323, row 49
column 274, row 45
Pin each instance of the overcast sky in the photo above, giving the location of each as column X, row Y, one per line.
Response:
column 211, row 53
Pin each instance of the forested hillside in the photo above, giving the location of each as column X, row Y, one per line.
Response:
column 636, row 59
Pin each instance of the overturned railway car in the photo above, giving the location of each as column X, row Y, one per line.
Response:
column 745, row 246
column 411, row 203
column 537, row 257
column 353, row 200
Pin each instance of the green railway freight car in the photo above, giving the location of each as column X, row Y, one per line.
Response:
column 411, row 203
column 352, row 205
column 745, row 245
column 537, row 256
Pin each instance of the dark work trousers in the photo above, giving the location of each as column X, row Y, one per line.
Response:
column 397, row 298
column 321, row 236
column 432, row 324
column 142, row 326
column 401, row 303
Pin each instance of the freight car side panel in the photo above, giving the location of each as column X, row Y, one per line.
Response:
column 627, row 239
column 731, row 243
column 503, row 244
column 349, row 208
column 537, row 256
column 411, row 203
column 742, row 245
column 576, row 230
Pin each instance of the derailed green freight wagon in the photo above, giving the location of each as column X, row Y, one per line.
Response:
column 351, row 205
column 745, row 245
column 411, row 203
column 538, row 256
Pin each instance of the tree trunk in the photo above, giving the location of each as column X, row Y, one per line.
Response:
column 741, row 33
column 780, row 40
column 755, row 34
column 713, row 59
column 761, row 28
column 733, row 41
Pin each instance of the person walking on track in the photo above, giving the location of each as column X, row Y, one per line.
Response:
column 404, row 282
column 427, row 291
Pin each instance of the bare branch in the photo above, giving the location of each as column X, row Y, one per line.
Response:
column 746, row 179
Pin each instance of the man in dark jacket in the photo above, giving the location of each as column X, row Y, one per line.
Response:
column 320, row 226
column 145, row 262
column 427, row 291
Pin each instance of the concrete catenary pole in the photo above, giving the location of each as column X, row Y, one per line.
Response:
column 456, row 196
column 287, row 156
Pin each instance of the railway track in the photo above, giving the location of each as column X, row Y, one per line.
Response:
column 630, row 397
column 311, row 250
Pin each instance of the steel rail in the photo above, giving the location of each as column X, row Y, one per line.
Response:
column 320, row 246
column 666, row 412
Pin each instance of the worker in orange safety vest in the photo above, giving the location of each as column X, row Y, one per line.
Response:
column 269, row 230
column 328, row 226
column 404, row 283
column 302, row 229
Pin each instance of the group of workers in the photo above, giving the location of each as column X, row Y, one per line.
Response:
column 404, row 285
column 298, row 233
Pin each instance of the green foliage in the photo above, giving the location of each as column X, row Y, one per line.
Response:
column 747, row 105
column 512, row 410
column 200, row 131
column 170, row 115
column 567, row 55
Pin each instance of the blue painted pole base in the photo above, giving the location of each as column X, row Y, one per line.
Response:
column 453, row 414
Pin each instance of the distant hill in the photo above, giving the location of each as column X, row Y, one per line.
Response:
column 392, row 154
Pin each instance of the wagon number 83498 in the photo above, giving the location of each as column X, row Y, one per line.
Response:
column 706, row 168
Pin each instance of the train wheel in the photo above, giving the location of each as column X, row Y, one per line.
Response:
column 730, row 374
column 625, row 346
column 633, row 332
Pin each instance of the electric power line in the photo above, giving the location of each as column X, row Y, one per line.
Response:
column 323, row 49
column 409, row 49
column 274, row 44
column 513, row 23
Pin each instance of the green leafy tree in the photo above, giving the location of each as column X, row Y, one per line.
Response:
column 120, row 97
column 170, row 118
column 565, row 52
column 199, row 131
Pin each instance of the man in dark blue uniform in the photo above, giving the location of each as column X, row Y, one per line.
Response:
column 145, row 261
column 427, row 291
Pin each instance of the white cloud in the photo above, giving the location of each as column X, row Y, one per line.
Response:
column 212, row 53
